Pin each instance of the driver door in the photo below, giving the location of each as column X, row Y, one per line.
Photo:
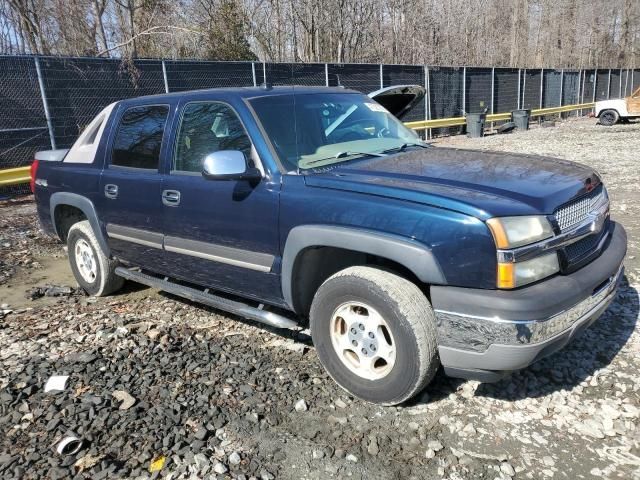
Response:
column 633, row 103
column 219, row 233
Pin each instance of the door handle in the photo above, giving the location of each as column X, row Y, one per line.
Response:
column 111, row 190
column 171, row 198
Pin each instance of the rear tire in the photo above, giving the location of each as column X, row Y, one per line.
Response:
column 375, row 333
column 609, row 117
column 93, row 270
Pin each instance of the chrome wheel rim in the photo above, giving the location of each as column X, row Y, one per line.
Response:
column 363, row 340
column 86, row 261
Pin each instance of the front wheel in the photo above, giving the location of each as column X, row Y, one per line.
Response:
column 609, row 117
column 93, row 270
column 375, row 333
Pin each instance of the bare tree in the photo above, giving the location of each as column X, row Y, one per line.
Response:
column 514, row 33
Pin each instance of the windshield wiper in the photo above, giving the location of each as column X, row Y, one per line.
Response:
column 348, row 153
column 404, row 146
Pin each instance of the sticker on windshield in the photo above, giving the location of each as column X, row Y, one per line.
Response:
column 374, row 107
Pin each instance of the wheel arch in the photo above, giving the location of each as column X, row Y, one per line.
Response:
column 67, row 199
column 609, row 108
column 354, row 246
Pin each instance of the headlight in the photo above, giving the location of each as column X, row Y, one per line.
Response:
column 513, row 275
column 512, row 232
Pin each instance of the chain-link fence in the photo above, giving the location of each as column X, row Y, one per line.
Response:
column 45, row 102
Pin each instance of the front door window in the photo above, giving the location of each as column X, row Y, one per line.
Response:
column 208, row 127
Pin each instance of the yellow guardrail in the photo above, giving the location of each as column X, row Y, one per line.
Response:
column 14, row 176
column 494, row 117
column 567, row 108
column 17, row 176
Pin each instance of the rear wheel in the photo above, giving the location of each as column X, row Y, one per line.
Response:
column 609, row 117
column 93, row 270
column 375, row 333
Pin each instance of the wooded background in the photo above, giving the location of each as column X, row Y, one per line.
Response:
column 510, row 33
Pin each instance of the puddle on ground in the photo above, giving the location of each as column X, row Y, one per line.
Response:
column 54, row 271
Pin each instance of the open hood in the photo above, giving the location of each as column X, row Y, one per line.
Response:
column 399, row 99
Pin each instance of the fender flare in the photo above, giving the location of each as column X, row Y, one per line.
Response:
column 83, row 204
column 605, row 109
column 413, row 255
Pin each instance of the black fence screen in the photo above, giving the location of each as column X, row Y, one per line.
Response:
column 602, row 84
column 615, row 90
column 588, row 85
column 506, row 90
column 552, row 88
column 478, row 90
column 74, row 90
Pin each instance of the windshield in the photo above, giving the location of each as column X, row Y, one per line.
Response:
column 315, row 130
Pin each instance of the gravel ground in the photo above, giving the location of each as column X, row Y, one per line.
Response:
column 157, row 383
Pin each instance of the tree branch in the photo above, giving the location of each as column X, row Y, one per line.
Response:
column 157, row 30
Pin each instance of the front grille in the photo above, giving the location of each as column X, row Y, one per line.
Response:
column 574, row 213
column 582, row 247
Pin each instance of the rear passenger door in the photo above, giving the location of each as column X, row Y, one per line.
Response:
column 131, row 185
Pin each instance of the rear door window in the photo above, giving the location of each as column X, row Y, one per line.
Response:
column 139, row 137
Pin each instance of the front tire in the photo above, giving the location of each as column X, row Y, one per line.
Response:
column 375, row 333
column 609, row 117
column 93, row 270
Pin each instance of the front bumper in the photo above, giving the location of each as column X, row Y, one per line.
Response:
column 484, row 334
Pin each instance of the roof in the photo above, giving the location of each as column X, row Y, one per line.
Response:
column 239, row 92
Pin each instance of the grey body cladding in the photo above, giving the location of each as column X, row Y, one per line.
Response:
column 85, row 206
column 135, row 235
column 261, row 262
column 411, row 254
column 219, row 253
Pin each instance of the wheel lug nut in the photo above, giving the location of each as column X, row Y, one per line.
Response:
column 354, row 331
column 372, row 347
column 361, row 327
column 354, row 343
column 364, row 351
column 371, row 335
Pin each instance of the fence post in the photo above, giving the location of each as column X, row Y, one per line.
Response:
column 427, row 103
column 578, row 112
column 253, row 74
column 45, row 105
column 164, row 75
column 631, row 89
column 561, row 84
column 626, row 82
column 541, row 86
column 381, row 78
column 524, row 86
column 264, row 73
column 493, row 88
column 519, row 80
column 620, row 89
column 326, row 74
column 595, row 83
column 464, row 91
column 609, row 85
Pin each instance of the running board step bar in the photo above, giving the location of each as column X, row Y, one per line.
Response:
column 221, row 303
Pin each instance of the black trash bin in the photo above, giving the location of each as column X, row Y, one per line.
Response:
column 475, row 124
column 521, row 119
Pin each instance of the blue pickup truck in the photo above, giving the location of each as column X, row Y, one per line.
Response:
column 299, row 205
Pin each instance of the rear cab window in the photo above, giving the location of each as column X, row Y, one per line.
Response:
column 138, row 138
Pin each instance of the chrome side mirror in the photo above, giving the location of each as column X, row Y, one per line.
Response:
column 228, row 165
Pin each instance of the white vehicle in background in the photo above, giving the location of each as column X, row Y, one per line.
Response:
column 610, row 112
